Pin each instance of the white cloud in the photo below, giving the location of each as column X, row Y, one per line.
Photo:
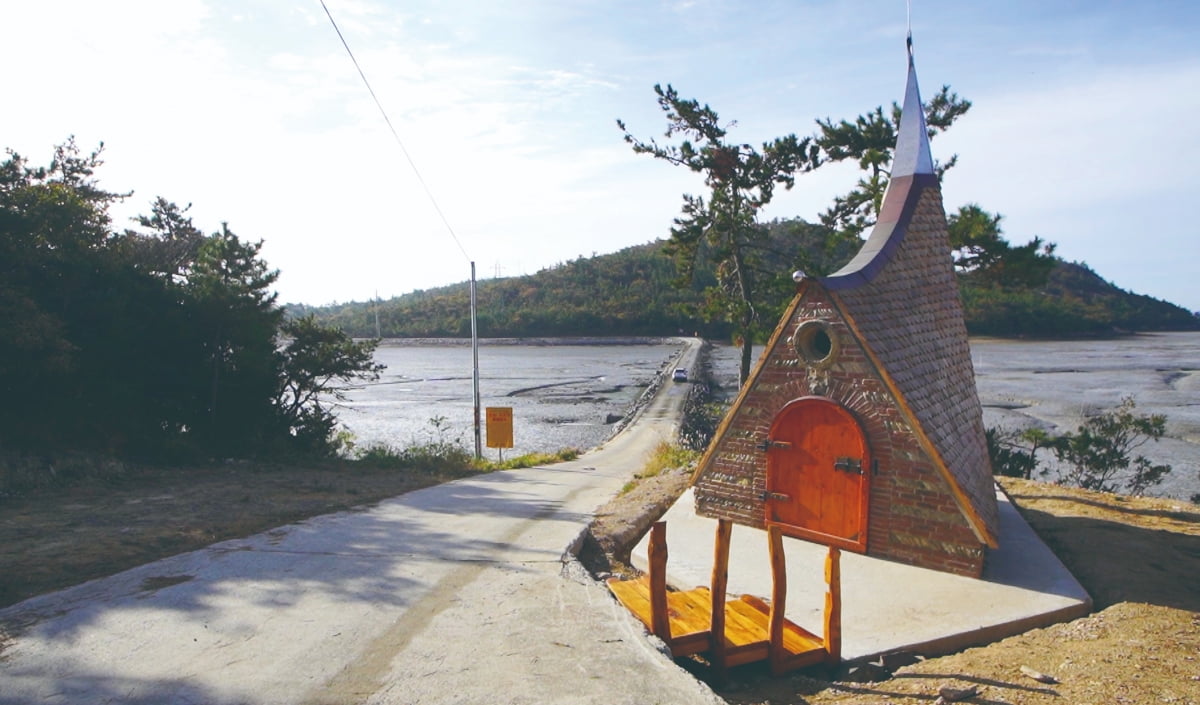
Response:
column 256, row 114
column 1101, row 165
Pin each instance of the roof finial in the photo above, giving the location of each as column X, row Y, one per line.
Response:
column 908, row 41
column 912, row 154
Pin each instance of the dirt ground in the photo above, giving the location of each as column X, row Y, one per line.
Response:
column 54, row 538
column 1139, row 558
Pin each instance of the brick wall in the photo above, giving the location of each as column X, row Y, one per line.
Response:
column 913, row 517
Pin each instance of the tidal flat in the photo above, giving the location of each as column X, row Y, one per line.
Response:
column 569, row 395
column 1056, row 385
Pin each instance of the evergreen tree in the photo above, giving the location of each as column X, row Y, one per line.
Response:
column 723, row 228
column 154, row 342
column 871, row 141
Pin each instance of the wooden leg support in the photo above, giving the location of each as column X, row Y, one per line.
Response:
column 720, row 580
column 660, row 621
column 776, row 652
column 833, row 606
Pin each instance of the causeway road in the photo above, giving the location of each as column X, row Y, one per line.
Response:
column 462, row 593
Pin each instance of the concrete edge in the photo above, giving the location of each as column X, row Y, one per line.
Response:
column 985, row 635
column 571, row 552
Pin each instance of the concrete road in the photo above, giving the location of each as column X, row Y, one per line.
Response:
column 461, row 593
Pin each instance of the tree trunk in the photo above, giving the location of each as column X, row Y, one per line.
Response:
column 747, row 351
column 748, row 314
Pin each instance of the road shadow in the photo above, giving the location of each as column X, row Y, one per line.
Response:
column 372, row 556
column 93, row 687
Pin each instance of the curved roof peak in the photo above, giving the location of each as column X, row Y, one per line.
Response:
column 912, row 171
column 912, row 154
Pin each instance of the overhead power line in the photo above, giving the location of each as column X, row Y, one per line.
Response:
column 396, row 135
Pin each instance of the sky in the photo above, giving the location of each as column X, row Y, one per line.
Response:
column 1082, row 130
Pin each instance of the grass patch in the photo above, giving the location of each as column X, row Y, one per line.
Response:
column 441, row 457
column 664, row 458
column 668, row 457
column 425, row 457
column 24, row 473
column 439, row 452
column 527, row 460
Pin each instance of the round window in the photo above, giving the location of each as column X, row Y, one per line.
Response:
column 814, row 342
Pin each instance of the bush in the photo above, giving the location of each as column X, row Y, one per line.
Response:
column 1009, row 456
column 437, row 453
column 1096, row 456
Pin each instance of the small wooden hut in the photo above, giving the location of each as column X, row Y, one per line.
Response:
column 860, row 429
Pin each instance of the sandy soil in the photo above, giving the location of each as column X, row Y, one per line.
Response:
column 1138, row 557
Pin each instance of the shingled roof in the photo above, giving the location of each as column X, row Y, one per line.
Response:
column 900, row 295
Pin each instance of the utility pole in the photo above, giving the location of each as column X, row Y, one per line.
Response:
column 475, row 365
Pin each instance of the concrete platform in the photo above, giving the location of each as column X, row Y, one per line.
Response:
column 888, row 606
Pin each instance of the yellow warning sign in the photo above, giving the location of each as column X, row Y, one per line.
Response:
column 499, row 427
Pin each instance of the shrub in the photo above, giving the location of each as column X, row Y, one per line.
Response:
column 1097, row 454
column 437, row 453
column 1008, row 453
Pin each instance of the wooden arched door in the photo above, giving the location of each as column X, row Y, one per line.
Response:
column 818, row 474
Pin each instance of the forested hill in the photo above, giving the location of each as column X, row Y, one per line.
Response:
column 625, row 293
column 633, row 292
column 1075, row 302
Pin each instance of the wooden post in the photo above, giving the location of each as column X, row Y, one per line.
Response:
column 833, row 606
column 720, row 580
column 775, row 648
column 660, row 621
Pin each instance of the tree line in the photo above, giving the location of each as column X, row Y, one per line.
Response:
column 155, row 342
column 637, row 291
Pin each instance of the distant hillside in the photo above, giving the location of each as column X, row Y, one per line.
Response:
column 1076, row 302
column 631, row 292
column 625, row 293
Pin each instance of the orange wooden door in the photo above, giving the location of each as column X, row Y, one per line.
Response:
column 818, row 474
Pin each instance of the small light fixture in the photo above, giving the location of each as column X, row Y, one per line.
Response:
column 798, row 276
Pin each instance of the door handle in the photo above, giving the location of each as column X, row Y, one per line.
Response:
column 777, row 496
column 850, row 465
column 767, row 444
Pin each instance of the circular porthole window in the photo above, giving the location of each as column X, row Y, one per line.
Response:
column 814, row 343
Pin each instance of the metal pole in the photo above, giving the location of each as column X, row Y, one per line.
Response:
column 475, row 365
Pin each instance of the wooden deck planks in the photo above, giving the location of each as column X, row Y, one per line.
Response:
column 747, row 623
column 751, row 628
column 687, row 613
column 796, row 639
